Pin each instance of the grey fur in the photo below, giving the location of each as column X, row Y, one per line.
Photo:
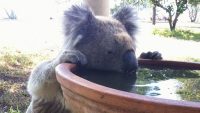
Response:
column 127, row 16
column 90, row 41
column 76, row 19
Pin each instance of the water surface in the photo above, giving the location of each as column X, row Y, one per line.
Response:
column 166, row 83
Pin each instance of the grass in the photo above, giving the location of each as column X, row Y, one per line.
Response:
column 185, row 59
column 15, row 67
column 17, row 63
column 11, row 110
column 179, row 34
column 192, row 59
column 14, row 95
column 190, row 90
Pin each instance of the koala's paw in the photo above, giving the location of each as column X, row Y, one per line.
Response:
column 151, row 55
column 69, row 56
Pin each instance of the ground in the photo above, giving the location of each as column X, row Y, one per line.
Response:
column 24, row 44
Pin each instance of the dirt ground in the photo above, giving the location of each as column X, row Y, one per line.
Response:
column 13, row 93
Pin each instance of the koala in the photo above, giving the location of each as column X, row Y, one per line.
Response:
column 94, row 42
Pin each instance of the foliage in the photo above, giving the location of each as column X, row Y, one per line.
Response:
column 174, row 10
column 179, row 34
column 194, row 2
column 193, row 9
column 133, row 3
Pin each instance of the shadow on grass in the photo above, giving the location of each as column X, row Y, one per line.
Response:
column 15, row 67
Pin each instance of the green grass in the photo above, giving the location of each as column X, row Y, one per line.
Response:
column 192, row 59
column 190, row 90
column 11, row 110
column 185, row 59
column 179, row 34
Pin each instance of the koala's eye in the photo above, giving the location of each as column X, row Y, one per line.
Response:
column 109, row 52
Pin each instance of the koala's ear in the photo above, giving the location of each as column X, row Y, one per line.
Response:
column 127, row 16
column 76, row 18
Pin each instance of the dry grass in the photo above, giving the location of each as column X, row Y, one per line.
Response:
column 15, row 66
column 14, row 95
column 17, row 63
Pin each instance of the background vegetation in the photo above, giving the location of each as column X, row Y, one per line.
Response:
column 178, row 34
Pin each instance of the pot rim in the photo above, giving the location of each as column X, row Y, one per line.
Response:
column 114, row 97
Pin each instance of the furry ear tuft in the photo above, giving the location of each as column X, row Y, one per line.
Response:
column 127, row 16
column 77, row 17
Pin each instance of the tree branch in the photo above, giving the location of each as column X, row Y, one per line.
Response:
column 157, row 3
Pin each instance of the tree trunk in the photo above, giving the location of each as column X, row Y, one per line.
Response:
column 99, row 7
column 170, row 21
column 154, row 15
column 175, row 21
column 193, row 13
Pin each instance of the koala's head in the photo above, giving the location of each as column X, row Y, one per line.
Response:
column 107, row 43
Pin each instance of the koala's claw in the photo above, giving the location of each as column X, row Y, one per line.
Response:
column 151, row 55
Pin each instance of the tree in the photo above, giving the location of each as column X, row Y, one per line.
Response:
column 174, row 10
column 193, row 9
column 154, row 15
column 135, row 3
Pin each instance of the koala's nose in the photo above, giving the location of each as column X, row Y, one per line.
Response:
column 130, row 61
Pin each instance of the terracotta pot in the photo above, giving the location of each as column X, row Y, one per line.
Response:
column 83, row 96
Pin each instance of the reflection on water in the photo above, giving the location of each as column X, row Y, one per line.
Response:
column 163, row 89
column 109, row 79
column 168, row 84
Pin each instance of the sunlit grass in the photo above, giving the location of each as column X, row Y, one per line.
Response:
column 14, row 62
column 179, row 34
